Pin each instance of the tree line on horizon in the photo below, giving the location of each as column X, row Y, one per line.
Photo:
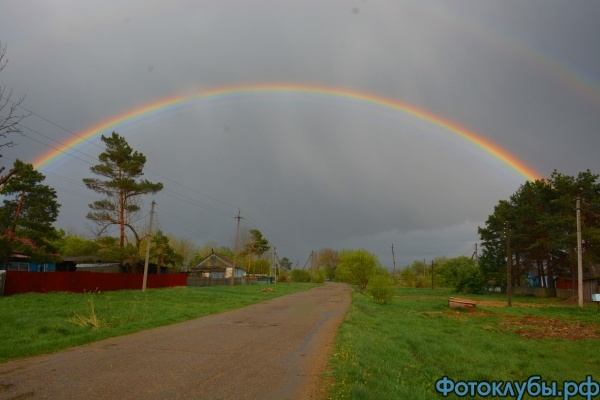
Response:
column 539, row 217
column 30, row 208
column 539, row 220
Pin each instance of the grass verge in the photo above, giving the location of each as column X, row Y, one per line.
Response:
column 400, row 350
column 33, row 324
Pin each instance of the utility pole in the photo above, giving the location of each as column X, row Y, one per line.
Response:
column 579, row 254
column 432, row 274
column 235, row 245
column 148, row 249
column 508, row 266
column 394, row 262
column 275, row 260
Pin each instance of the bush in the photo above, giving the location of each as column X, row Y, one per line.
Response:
column 300, row 275
column 284, row 277
column 357, row 267
column 319, row 276
column 381, row 287
column 463, row 274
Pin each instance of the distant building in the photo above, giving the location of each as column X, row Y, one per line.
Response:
column 216, row 265
column 20, row 262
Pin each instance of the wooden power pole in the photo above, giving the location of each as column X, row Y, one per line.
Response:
column 394, row 262
column 235, row 245
column 148, row 249
column 579, row 254
column 432, row 274
column 276, row 262
column 508, row 267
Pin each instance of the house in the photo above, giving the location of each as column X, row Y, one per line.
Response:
column 216, row 265
column 20, row 262
column 112, row 267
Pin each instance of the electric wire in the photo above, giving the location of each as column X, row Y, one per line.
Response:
column 174, row 195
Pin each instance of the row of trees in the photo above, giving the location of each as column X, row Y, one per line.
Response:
column 461, row 273
column 540, row 222
column 30, row 209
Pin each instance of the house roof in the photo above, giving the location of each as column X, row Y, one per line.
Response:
column 97, row 265
column 81, row 259
column 214, row 260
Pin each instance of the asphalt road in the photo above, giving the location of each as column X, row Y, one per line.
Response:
column 273, row 350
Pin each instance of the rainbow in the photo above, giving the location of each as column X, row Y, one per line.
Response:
column 172, row 103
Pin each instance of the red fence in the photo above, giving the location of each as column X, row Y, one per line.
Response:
column 44, row 282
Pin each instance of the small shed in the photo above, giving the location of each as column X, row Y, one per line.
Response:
column 69, row 264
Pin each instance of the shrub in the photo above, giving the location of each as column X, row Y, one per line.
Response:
column 300, row 275
column 319, row 276
column 284, row 277
column 381, row 287
column 463, row 274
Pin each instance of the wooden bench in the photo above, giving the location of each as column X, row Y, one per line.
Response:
column 455, row 302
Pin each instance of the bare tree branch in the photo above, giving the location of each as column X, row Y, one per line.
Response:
column 10, row 111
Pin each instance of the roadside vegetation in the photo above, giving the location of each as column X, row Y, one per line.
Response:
column 34, row 324
column 401, row 349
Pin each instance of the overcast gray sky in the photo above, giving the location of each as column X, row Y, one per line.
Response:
column 312, row 171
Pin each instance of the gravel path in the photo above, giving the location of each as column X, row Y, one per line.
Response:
column 273, row 350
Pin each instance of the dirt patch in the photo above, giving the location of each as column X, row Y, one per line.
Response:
column 422, row 297
column 533, row 327
column 486, row 303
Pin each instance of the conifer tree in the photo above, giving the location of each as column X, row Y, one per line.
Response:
column 26, row 217
column 122, row 167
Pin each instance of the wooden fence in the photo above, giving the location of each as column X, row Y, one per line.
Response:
column 78, row 282
column 590, row 286
column 541, row 292
column 208, row 281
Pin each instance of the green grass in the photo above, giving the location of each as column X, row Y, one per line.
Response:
column 32, row 324
column 400, row 350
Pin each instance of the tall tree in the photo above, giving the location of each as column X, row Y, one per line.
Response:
column 123, row 188
column 328, row 260
column 30, row 208
column 10, row 116
column 286, row 264
column 256, row 245
column 542, row 223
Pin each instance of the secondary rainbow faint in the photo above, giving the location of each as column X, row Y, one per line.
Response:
column 169, row 104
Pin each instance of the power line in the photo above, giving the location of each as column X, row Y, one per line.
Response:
column 54, row 148
column 174, row 195
column 51, row 122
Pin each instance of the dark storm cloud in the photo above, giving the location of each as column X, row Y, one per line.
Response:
column 315, row 172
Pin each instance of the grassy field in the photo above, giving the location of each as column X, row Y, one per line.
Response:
column 32, row 324
column 400, row 350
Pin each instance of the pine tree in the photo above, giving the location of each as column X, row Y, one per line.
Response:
column 122, row 167
column 30, row 208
